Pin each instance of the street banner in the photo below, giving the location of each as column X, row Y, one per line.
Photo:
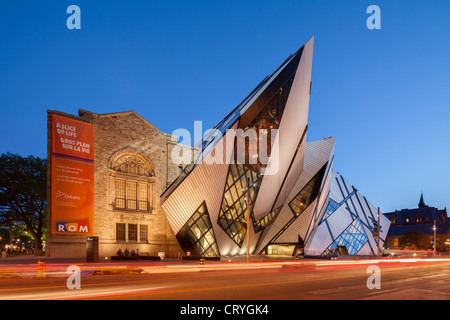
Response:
column 72, row 176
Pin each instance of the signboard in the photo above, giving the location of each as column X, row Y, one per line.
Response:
column 72, row 176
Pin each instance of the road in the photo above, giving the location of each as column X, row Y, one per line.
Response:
column 402, row 280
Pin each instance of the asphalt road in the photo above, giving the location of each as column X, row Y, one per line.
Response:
column 422, row 280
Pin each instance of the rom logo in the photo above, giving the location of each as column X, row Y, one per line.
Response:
column 71, row 227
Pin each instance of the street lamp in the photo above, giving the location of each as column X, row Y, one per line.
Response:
column 434, row 238
column 248, row 220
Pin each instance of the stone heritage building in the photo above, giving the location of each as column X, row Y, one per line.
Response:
column 132, row 168
column 413, row 228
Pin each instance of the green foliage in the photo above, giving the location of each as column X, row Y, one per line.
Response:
column 23, row 194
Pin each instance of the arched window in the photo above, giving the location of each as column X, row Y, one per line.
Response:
column 132, row 181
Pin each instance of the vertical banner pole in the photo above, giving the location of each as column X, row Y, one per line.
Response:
column 248, row 220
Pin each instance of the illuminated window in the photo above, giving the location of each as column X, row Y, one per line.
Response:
column 396, row 242
column 308, row 194
column 132, row 232
column 134, row 182
column 143, row 233
column 267, row 220
column 120, row 231
column 197, row 235
column 121, row 193
column 233, row 212
column 131, row 195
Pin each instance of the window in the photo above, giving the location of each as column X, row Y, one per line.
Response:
column 131, row 195
column 233, row 212
column 396, row 242
column 143, row 196
column 120, row 193
column 353, row 238
column 333, row 206
column 132, row 232
column 308, row 194
column 134, row 182
column 266, row 220
column 143, row 233
column 198, row 235
column 120, row 231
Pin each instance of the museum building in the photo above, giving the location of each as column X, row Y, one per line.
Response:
column 294, row 203
column 131, row 169
column 238, row 195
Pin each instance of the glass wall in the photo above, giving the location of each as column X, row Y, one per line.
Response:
column 308, row 194
column 266, row 220
column 233, row 212
column 268, row 118
column 353, row 238
column 301, row 201
column 197, row 235
column 333, row 206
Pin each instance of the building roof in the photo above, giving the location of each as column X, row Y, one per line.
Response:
column 421, row 202
column 421, row 214
column 424, row 214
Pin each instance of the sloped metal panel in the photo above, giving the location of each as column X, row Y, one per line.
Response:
column 290, row 132
column 317, row 154
column 290, row 235
column 355, row 207
column 205, row 183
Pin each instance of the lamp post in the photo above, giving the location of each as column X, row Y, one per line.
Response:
column 377, row 234
column 434, row 238
column 248, row 220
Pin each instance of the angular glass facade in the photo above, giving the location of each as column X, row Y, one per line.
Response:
column 266, row 220
column 198, row 236
column 247, row 167
column 308, row 194
column 353, row 238
column 242, row 188
column 333, row 206
column 233, row 212
column 301, row 201
column 268, row 118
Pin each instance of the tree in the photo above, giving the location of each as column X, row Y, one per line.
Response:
column 23, row 194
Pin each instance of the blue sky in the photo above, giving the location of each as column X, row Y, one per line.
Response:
column 383, row 94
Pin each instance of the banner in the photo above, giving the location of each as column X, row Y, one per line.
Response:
column 72, row 176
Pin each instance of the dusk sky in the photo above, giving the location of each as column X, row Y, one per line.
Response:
column 384, row 94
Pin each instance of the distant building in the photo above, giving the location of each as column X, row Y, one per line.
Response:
column 413, row 228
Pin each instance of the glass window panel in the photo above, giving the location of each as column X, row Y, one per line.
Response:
column 132, row 232
column 200, row 234
column 131, row 195
column 120, row 193
column 143, row 232
column 143, row 196
column 120, row 231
